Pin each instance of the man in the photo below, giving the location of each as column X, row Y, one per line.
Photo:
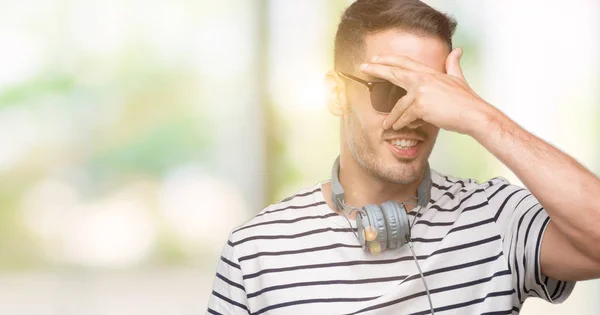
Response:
column 481, row 248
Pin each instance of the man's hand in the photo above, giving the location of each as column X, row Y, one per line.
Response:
column 565, row 189
column 442, row 99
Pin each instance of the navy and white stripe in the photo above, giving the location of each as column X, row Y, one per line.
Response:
column 478, row 245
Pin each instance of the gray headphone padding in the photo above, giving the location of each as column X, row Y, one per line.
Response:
column 393, row 212
column 391, row 222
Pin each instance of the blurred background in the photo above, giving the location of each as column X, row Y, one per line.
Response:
column 134, row 135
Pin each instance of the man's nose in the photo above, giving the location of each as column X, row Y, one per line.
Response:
column 415, row 124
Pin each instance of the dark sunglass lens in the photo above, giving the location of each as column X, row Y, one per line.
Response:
column 385, row 95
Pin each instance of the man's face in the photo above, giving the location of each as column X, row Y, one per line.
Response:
column 390, row 154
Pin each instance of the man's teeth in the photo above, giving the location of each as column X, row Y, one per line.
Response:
column 404, row 144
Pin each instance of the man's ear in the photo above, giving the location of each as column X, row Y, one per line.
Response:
column 335, row 94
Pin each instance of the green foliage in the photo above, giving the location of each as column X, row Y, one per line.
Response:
column 157, row 150
column 50, row 83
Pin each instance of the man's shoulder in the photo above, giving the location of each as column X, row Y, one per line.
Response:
column 304, row 198
column 298, row 204
column 445, row 183
column 445, row 179
column 495, row 186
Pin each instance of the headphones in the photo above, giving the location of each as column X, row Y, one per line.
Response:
column 384, row 226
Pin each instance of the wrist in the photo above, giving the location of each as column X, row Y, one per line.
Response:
column 486, row 123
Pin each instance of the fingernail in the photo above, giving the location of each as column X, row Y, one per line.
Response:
column 375, row 58
column 385, row 125
column 364, row 66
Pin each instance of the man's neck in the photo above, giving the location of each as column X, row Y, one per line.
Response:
column 361, row 188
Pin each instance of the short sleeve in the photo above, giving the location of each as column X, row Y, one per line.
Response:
column 522, row 222
column 228, row 296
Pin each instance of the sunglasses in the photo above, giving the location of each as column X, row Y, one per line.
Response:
column 384, row 95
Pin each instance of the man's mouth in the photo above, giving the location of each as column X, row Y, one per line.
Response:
column 404, row 144
column 404, row 148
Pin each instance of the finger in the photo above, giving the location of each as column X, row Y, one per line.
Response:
column 400, row 77
column 403, row 62
column 453, row 67
column 453, row 64
column 407, row 117
column 401, row 106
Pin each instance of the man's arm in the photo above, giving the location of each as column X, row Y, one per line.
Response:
column 568, row 192
column 229, row 294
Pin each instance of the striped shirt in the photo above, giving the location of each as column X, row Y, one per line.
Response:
column 478, row 245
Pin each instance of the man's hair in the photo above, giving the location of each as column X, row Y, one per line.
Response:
column 365, row 17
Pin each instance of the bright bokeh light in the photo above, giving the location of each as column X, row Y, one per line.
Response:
column 115, row 232
column 200, row 208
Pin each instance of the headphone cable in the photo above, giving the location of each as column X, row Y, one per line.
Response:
column 352, row 209
column 410, row 245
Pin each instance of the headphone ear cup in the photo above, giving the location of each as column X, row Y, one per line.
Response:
column 396, row 219
column 392, row 220
column 377, row 221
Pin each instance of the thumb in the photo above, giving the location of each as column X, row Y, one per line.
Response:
column 453, row 64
